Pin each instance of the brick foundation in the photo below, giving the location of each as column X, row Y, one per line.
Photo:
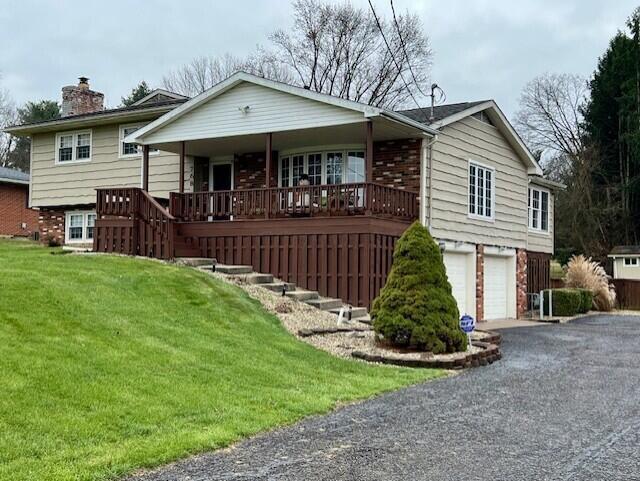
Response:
column 521, row 282
column 396, row 163
column 51, row 224
column 479, row 282
column 16, row 219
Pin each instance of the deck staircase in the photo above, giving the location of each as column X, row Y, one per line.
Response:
column 267, row 281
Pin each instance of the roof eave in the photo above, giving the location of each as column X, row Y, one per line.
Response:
column 6, row 180
column 63, row 123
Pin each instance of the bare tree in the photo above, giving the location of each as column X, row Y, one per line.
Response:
column 336, row 49
column 340, row 50
column 203, row 73
column 550, row 115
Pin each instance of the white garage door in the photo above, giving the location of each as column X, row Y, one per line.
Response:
column 456, row 265
column 496, row 289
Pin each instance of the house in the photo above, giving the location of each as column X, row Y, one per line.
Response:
column 16, row 218
column 626, row 262
column 219, row 176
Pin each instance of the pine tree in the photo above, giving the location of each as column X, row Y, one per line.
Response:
column 416, row 308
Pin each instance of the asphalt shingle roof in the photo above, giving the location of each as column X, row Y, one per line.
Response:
column 13, row 174
column 622, row 250
column 439, row 111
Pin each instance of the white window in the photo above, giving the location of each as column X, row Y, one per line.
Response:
column 73, row 147
column 79, row 226
column 481, row 191
column 538, row 206
column 631, row 261
column 329, row 167
column 128, row 149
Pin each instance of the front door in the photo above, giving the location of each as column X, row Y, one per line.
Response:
column 221, row 176
column 221, row 179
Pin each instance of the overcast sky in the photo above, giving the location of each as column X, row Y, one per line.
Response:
column 483, row 48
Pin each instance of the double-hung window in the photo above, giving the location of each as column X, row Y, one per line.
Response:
column 128, row 149
column 481, row 191
column 73, row 147
column 80, row 226
column 538, row 206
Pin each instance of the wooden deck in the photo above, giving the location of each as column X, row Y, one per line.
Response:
column 337, row 240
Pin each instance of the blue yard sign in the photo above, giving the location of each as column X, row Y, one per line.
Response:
column 467, row 324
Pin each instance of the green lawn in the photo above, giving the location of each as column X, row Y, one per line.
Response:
column 108, row 364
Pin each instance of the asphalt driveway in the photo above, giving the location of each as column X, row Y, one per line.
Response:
column 563, row 404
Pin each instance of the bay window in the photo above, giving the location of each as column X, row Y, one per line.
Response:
column 328, row 167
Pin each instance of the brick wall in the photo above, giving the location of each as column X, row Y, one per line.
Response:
column 479, row 282
column 51, row 223
column 249, row 171
column 396, row 163
column 15, row 217
column 521, row 282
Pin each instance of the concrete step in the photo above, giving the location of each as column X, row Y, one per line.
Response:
column 324, row 303
column 196, row 261
column 356, row 312
column 233, row 270
column 301, row 295
column 255, row 278
column 277, row 286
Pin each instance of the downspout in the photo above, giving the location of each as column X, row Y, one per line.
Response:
column 426, row 176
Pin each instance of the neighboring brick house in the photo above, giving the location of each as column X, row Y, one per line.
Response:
column 16, row 218
column 234, row 157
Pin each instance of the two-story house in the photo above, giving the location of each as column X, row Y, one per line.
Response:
column 309, row 187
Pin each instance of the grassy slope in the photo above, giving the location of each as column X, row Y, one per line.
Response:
column 111, row 363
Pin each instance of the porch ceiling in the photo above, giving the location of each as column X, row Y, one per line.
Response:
column 355, row 133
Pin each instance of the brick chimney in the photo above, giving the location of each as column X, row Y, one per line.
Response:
column 80, row 99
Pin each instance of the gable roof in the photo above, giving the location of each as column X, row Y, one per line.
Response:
column 240, row 77
column 13, row 176
column 160, row 95
column 439, row 111
column 448, row 114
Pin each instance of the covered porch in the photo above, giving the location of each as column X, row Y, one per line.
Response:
column 319, row 172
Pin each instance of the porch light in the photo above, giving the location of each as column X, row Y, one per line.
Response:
column 442, row 246
column 245, row 109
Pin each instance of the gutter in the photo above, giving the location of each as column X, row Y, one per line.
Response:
column 407, row 121
column 86, row 121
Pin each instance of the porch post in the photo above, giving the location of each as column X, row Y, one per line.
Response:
column 369, row 153
column 267, row 157
column 182, row 155
column 145, row 168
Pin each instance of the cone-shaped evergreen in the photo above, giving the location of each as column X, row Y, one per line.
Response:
column 416, row 308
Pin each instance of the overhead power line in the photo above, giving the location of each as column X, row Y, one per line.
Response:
column 375, row 16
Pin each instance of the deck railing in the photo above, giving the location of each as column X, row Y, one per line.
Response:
column 130, row 221
column 302, row 201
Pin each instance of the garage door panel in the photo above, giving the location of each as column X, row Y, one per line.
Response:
column 496, row 288
column 456, row 265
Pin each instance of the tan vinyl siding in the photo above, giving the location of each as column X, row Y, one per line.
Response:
column 269, row 111
column 539, row 241
column 75, row 183
column 471, row 139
